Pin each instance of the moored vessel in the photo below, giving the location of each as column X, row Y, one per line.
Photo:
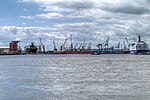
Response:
column 139, row 47
column 31, row 49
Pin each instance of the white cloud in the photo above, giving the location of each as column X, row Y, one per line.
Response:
column 26, row 17
column 40, row 21
column 96, row 31
column 24, row 9
column 17, row 39
column 93, row 19
column 49, row 15
column 88, row 9
column 43, row 16
column 24, row 23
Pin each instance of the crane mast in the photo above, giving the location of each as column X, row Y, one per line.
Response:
column 118, row 45
column 100, row 47
column 124, row 45
column 80, row 46
column 83, row 46
column 41, row 46
column 89, row 46
column 55, row 49
column 127, row 42
column 104, row 44
column 71, row 45
column 62, row 47
column 75, row 46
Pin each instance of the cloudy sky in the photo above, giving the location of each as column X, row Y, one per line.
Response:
column 94, row 20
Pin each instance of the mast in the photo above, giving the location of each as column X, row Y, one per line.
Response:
column 71, row 45
column 63, row 45
column 75, row 46
column 55, row 49
column 139, row 39
column 42, row 45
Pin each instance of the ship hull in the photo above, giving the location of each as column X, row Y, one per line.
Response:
column 31, row 50
column 72, row 52
column 139, row 52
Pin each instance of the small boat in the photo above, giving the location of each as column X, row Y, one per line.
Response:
column 95, row 53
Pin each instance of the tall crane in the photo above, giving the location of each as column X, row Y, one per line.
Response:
column 89, row 46
column 100, row 47
column 62, row 47
column 134, row 39
column 105, row 44
column 75, row 46
column 118, row 45
column 83, row 45
column 127, row 42
column 124, row 44
column 55, row 49
column 71, row 45
column 80, row 46
column 139, row 38
column 41, row 46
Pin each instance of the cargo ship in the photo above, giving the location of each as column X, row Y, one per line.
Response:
column 72, row 52
column 13, row 49
column 31, row 49
column 139, row 47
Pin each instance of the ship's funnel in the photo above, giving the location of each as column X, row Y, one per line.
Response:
column 139, row 39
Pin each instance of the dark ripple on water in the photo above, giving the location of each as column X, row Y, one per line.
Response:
column 75, row 77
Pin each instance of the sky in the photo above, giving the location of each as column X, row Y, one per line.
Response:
column 92, row 20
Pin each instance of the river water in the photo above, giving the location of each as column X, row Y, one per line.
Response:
column 75, row 77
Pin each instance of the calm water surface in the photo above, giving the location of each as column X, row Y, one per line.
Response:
column 75, row 77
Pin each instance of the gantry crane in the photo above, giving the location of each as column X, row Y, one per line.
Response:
column 75, row 47
column 83, row 45
column 71, row 45
column 124, row 44
column 55, row 49
column 62, row 47
column 41, row 47
column 89, row 46
column 104, row 44
column 127, row 42
column 118, row 45
column 80, row 46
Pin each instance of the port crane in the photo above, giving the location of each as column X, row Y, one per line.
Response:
column 105, row 44
column 55, row 49
column 41, row 47
column 118, row 45
column 134, row 39
column 89, row 46
column 124, row 44
column 100, row 47
column 62, row 47
column 127, row 42
column 80, row 46
column 75, row 46
column 83, row 45
column 71, row 45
